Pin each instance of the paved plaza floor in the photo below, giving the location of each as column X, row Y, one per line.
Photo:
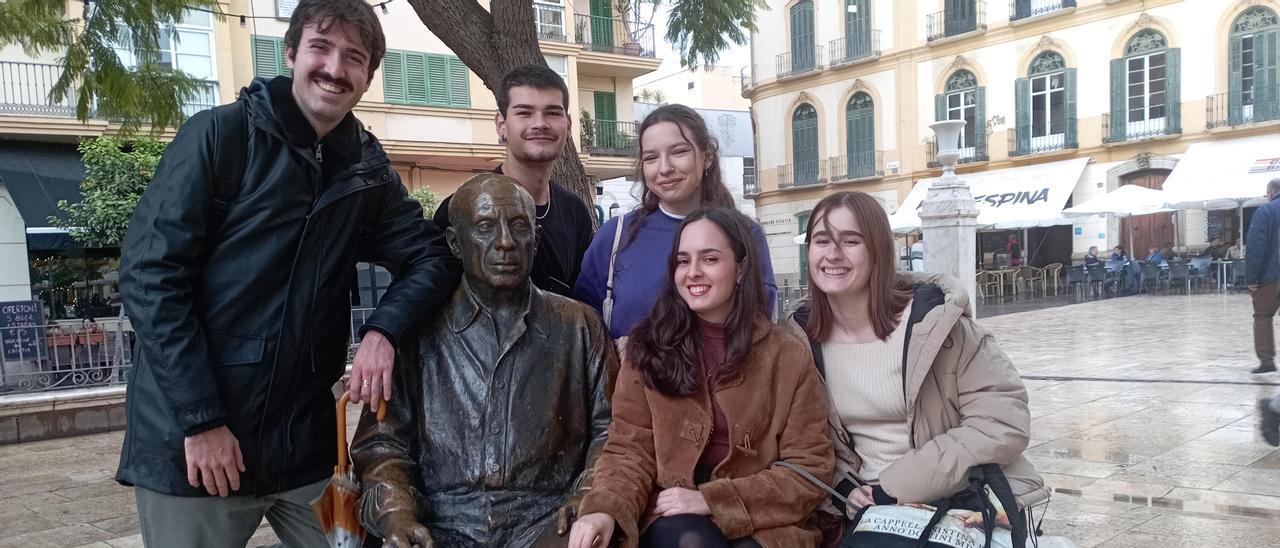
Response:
column 1144, row 423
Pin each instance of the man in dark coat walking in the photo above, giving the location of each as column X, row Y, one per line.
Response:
column 241, row 306
column 1262, row 273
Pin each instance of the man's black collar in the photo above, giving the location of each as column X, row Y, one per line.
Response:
column 344, row 139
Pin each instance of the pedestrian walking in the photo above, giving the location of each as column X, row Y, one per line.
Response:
column 235, row 274
column 1262, row 274
column 678, row 162
column 533, row 121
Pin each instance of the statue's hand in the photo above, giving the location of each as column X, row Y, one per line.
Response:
column 568, row 513
column 404, row 531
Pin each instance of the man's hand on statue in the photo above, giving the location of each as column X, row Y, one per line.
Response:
column 677, row 500
column 591, row 530
column 403, row 531
column 214, row 460
column 371, row 370
column 568, row 512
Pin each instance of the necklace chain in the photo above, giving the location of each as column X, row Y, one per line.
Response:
column 550, row 196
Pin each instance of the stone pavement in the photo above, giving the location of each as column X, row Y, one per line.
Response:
column 1143, row 423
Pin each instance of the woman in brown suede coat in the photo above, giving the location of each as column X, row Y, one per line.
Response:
column 711, row 396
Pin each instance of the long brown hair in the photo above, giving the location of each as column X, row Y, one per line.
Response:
column 665, row 347
column 889, row 295
column 694, row 130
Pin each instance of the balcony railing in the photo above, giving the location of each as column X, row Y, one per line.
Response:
column 967, row 154
column 549, row 21
column 24, row 89
column 748, row 80
column 605, row 35
column 1038, row 145
column 1023, row 9
column 860, row 165
column 40, row 359
column 206, row 98
column 1134, row 131
column 609, row 137
column 795, row 63
column 945, row 24
column 805, row 173
column 749, row 185
column 844, row 50
column 1237, row 109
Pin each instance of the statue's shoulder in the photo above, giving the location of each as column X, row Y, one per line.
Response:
column 571, row 311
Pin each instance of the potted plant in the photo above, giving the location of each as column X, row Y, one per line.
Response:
column 635, row 23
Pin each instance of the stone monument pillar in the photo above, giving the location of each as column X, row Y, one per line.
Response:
column 948, row 217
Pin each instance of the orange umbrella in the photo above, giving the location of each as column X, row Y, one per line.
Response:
column 338, row 506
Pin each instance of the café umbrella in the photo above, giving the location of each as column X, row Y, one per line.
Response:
column 338, row 506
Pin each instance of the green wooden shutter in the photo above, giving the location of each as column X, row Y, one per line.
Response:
column 602, row 22
column 804, row 145
column 1235, row 90
column 857, row 29
column 802, row 219
column 283, row 59
column 940, row 107
column 437, row 80
column 860, row 140
column 606, row 104
column 1119, row 101
column 802, row 37
column 393, row 77
column 1021, row 9
column 415, row 78
column 459, row 84
column 1266, row 76
column 269, row 57
column 1022, row 106
column 980, row 123
column 1173, row 91
column 1072, row 139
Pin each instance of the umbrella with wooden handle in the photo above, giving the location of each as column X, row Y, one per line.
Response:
column 338, row 506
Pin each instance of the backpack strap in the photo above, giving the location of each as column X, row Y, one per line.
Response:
column 230, row 147
column 607, row 305
column 801, row 317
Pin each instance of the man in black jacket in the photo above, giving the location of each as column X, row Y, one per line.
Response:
column 241, row 306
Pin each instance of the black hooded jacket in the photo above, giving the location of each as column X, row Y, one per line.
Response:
column 243, row 318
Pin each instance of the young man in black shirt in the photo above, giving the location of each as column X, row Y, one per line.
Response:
column 533, row 120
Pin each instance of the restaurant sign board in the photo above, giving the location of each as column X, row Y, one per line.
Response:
column 20, row 323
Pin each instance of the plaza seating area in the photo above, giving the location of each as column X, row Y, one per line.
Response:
column 1110, row 279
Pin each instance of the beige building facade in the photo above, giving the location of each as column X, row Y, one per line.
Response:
column 434, row 117
column 843, row 91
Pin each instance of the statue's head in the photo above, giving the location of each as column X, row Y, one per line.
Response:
column 493, row 231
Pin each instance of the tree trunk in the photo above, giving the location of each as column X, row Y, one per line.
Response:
column 493, row 42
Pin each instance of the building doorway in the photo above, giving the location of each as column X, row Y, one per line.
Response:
column 1145, row 231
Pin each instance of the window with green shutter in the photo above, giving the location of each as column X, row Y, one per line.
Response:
column 269, row 58
column 857, row 29
column 802, row 39
column 1253, row 83
column 804, row 145
column 963, row 99
column 860, row 137
column 607, row 134
column 1045, row 101
column 1145, row 98
column 414, row 78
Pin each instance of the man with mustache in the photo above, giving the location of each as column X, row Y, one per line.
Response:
column 502, row 403
column 533, row 120
column 235, row 273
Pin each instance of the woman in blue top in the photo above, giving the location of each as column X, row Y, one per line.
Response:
column 679, row 164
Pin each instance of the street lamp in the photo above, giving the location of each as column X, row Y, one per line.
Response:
column 948, row 216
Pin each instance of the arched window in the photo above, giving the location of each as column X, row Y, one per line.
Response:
column 804, row 145
column 1145, row 91
column 964, row 99
column 1046, row 106
column 860, row 137
column 802, row 38
column 1253, row 85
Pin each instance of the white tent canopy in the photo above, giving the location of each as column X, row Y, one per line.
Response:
column 1018, row 197
column 1224, row 174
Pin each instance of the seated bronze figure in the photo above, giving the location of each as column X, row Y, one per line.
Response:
column 502, row 403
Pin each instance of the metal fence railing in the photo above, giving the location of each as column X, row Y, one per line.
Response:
column 944, row 24
column 750, row 187
column 795, row 63
column 24, row 89
column 1239, row 108
column 609, row 137
column 845, row 50
column 802, row 173
column 967, row 154
column 606, row 35
column 1133, row 131
column 1037, row 145
column 859, row 165
column 1022, row 9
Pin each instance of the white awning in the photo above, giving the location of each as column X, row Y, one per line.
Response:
column 1017, row 197
column 1224, row 174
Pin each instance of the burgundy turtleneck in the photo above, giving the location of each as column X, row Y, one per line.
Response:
column 713, row 354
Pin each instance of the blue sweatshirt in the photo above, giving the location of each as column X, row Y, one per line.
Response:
column 641, row 267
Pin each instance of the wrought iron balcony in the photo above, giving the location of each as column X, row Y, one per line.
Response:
column 804, row 173
column 844, row 50
column 968, row 155
column 549, row 21
column 795, row 63
column 860, row 165
column 1240, row 108
column 1024, row 9
column 1134, row 131
column 620, row 36
column 749, row 185
column 1039, row 145
column 24, row 89
column 609, row 137
column 948, row 23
